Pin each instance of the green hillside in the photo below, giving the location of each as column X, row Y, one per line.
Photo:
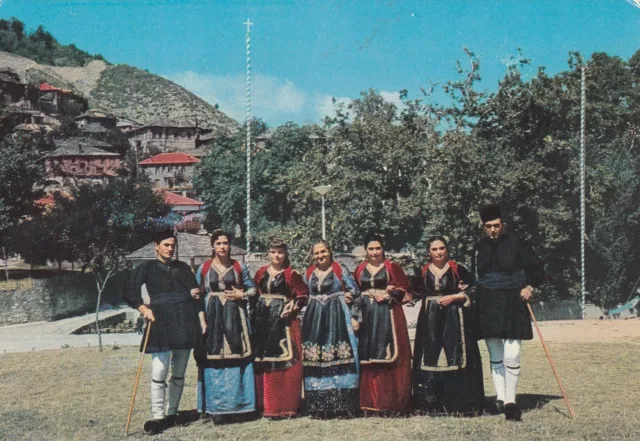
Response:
column 144, row 97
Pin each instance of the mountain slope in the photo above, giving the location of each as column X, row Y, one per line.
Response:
column 126, row 91
column 144, row 97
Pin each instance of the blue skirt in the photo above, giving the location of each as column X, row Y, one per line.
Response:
column 333, row 388
column 226, row 390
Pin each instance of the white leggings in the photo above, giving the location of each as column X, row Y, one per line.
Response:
column 178, row 358
column 505, row 367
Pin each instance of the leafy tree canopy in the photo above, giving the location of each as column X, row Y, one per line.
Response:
column 40, row 46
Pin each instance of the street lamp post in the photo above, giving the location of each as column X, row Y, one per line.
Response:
column 323, row 189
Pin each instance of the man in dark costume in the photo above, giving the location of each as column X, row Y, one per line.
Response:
column 140, row 324
column 175, row 308
column 507, row 273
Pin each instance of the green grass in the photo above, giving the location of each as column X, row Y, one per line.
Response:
column 82, row 394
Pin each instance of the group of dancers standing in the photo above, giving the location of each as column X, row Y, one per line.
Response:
column 350, row 352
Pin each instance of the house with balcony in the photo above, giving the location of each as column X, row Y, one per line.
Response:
column 81, row 159
column 168, row 135
column 170, row 171
column 96, row 116
column 55, row 100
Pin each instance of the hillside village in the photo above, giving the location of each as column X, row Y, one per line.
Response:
column 139, row 138
column 77, row 139
column 84, row 144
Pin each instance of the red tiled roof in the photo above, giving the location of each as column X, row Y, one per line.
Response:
column 45, row 87
column 49, row 200
column 46, row 201
column 176, row 199
column 170, row 158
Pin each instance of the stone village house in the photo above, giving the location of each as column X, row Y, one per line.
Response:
column 80, row 158
column 96, row 124
column 54, row 100
column 169, row 135
column 20, row 102
column 170, row 171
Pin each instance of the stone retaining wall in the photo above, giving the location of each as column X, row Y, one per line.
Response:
column 56, row 298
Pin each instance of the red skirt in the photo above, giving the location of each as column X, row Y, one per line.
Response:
column 279, row 393
column 386, row 387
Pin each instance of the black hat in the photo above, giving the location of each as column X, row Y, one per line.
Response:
column 490, row 212
column 159, row 236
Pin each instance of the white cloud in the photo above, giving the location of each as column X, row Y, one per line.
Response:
column 393, row 98
column 271, row 98
column 325, row 107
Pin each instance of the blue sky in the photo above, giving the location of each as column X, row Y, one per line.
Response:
column 305, row 52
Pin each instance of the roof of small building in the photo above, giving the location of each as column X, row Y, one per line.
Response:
column 189, row 245
column 94, row 127
column 174, row 123
column 46, row 201
column 49, row 200
column 208, row 136
column 197, row 152
column 125, row 123
column 177, row 199
column 96, row 113
column 28, row 127
column 46, row 87
column 170, row 158
column 71, row 147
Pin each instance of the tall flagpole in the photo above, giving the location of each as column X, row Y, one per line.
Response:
column 583, row 101
column 248, row 141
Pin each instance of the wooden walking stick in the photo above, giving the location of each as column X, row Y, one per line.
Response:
column 135, row 385
column 553, row 366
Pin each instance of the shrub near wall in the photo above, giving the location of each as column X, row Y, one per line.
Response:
column 56, row 298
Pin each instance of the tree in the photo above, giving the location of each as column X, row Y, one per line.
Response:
column 21, row 171
column 220, row 180
column 17, row 27
column 99, row 224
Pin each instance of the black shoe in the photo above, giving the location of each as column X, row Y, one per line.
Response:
column 499, row 407
column 218, row 419
column 184, row 419
column 168, row 422
column 512, row 412
column 153, row 427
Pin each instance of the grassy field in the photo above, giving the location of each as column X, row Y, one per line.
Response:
column 82, row 394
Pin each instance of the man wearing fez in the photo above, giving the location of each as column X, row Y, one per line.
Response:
column 176, row 313
column 507, row 274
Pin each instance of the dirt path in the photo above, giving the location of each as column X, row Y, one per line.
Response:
column 591, row 331
column 38, row 336
column 574, row 331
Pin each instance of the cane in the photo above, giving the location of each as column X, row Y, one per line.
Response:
column 135, row 385
column 553, row 366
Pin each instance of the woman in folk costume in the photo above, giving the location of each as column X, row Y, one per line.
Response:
column 277, row 341
column 226, row 383
column 447, row 369
column 383, row 346
column 330, row 351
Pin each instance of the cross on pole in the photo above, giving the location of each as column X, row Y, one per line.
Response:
column 249, row 24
